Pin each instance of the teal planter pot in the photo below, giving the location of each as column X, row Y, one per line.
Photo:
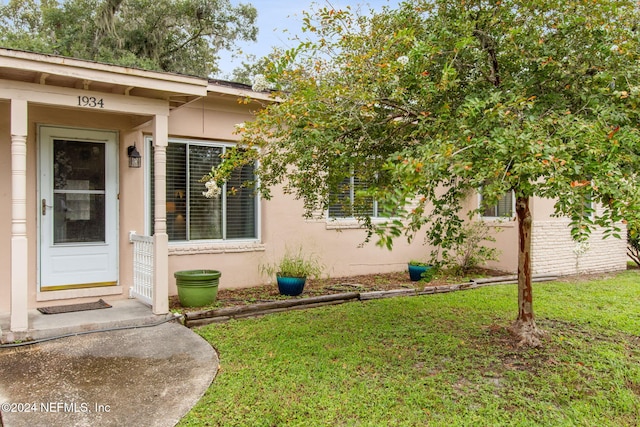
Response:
column 291, row 286
column 197, row 288
column 420, row 272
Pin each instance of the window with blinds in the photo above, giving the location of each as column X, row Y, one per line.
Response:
column 348, row 205
column 502, row 209
column 192, row 216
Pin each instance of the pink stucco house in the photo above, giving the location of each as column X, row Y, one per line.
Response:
column 79, row 223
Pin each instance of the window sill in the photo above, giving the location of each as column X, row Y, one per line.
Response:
column 350, row 223
column 215, row 247
column 499, row 222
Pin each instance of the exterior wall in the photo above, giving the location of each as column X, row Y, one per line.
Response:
column 211, row 118
column 337, row 245
column 554, row 252
column 506, row 234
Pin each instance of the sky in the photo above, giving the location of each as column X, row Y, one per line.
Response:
column 279, row 20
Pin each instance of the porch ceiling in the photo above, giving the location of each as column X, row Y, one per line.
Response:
column 65, row 72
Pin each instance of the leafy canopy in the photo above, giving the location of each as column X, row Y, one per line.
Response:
column 182, row 36
column 442, row 97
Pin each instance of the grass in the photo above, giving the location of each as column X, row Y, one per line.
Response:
column 438, row 360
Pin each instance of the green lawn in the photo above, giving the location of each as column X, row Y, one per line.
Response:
column 437, row 360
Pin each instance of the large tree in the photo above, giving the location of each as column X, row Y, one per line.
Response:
column 182, row 36
column 440, row 98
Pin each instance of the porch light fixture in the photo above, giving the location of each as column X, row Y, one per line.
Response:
column 135, row 159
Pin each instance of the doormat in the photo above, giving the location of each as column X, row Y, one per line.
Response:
column 74, row 307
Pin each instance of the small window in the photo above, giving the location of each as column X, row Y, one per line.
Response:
column 588, row 208
column 349, row 205
column 505, row 207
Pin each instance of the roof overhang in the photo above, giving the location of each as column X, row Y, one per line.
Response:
column 55, row 74
column 63, row 72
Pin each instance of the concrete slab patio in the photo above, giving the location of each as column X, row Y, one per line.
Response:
column 123, row 313
column 145, row 375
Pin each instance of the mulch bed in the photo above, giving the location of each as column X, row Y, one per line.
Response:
column 328, row 286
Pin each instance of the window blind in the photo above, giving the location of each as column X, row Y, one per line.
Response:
column 192, row 216
column 348, row 204
column 504, row 207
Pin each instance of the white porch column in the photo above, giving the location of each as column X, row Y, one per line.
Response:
column 19, row 249
column 160, row 237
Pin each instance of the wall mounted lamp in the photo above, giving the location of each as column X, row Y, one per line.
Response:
column 135, row 159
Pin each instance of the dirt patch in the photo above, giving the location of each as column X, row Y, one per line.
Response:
column 329, row 286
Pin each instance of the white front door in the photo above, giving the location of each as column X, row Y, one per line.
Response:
column 78, row 208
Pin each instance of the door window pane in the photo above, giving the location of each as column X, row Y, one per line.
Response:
column 78, row 218
column 78, row 163
column 78, row 191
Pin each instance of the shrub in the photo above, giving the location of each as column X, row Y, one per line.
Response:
column 295, row 264
column 469, row 252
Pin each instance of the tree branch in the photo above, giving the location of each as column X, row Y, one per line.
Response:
column 489, row 45
column 189, row 40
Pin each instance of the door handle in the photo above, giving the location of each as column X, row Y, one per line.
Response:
column 45, row 206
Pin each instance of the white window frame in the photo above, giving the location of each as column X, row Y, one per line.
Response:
column 591, row 205
column 203, row 244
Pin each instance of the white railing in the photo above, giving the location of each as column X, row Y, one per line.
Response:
column 143, row 265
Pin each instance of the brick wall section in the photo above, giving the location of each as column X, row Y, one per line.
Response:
column 555, row 252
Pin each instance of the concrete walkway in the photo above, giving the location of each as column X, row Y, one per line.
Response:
column 144, row 376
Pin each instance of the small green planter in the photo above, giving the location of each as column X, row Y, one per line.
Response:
column 197, row 288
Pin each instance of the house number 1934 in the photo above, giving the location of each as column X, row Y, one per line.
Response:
column 90, row 101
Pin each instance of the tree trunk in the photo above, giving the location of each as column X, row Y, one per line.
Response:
column 525, row 328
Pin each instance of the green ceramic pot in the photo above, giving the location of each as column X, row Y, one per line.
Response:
column 197, row 288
